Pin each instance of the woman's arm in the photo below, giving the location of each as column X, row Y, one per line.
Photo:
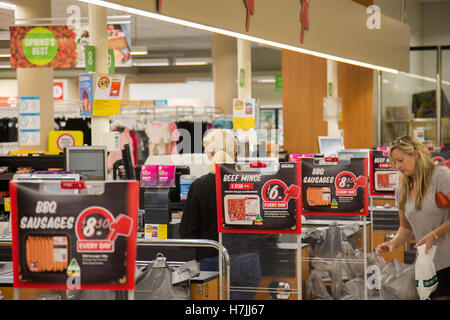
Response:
column 433, row 236
column 404, row 233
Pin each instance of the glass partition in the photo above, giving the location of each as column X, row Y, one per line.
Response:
column 445, row 105
column 408, row 104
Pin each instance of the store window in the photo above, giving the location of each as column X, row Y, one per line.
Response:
column 408, row 100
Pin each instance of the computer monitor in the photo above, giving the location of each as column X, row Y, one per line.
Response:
column 353, row 153
column 330, row 146
column 88, row 161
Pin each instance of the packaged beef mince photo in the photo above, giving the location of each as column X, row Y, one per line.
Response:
column 383, row 177
column 258, row 197
column 334, row 188
column 74, row 234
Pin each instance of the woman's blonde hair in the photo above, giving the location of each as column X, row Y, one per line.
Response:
column 422, row 171
column 222, row 145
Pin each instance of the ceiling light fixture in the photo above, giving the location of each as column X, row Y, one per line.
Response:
column 8, row 6
column 194, row 25
column 151, row 63
column 192, row 61
column 139, row 51
column 419, row 77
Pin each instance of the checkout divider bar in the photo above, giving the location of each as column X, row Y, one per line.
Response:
column 199, row 243
column 223, row 254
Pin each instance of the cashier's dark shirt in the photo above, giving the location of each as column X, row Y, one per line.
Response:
column 199, row 221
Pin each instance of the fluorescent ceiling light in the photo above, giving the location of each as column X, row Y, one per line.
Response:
column 419, row 77
column 151, row 63
column 266, row 81
column 5, row 53
column 5, row 66
column 192, row 61
column 6, row 5
column 194, row 25
column 138, row 50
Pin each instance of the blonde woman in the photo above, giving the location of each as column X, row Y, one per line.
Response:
column 199, row 221
column 420, row 217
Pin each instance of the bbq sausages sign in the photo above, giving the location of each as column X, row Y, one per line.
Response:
column 334, row 188
column 74, row 240
column 255, row 198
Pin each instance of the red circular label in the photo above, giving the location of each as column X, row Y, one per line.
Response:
column 94, row 223
column 274, row 190
column 65, row 140
column 345, row 181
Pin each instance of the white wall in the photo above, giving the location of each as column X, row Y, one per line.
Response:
column 8, row 88
column 197, row 93
column 181, row 94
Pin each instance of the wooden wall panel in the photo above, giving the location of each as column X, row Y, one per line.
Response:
column 304, row 87
column 355, row 87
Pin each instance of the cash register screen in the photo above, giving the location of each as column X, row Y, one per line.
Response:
column 330, row 146
column 89, row 162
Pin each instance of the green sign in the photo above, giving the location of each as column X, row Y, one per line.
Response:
column 40, row 46
column 241, row 78
column 89, row 57
column 278, row 83
column 330, row 89
column 111, row 62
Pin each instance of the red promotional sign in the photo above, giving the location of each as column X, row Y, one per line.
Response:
column 58, row 90
column 43, row 47
column 267, row 204
column 71, row 239
column 250, row 7
column 304, row 17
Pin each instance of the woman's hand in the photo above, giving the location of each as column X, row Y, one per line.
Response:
column 388, row 246
column 428, row 240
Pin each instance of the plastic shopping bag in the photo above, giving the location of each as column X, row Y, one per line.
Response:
column 426, row 277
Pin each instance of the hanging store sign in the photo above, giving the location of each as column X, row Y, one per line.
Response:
column 304, row 18
column 244, row 113
column 108, row 91
column 47, row 46
column 86, row 86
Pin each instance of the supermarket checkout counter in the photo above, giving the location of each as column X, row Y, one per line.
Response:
column 278, row 264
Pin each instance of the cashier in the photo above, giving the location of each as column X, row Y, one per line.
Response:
column 199, row 221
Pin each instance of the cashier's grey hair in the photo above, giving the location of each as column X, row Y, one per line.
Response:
column 222, row 145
